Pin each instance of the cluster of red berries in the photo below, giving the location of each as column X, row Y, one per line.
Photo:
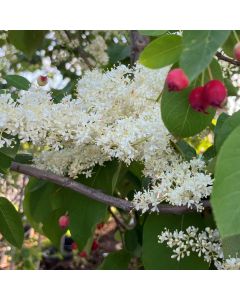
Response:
column 213, row 93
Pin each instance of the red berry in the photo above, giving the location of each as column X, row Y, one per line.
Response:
column 177, row 80
column 63, row 222
column 214, row 92
column 95, row 245
column 42, row 80
column 197, row 101
column 74, row 246
column 83, row 254
column 236, row 51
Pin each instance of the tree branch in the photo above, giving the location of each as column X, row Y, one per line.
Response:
column 227, row 59
column 138, row 43
column 93, row 193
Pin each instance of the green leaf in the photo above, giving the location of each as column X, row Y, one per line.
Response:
column 185, row 149
column 131, row 242
column 57, row 95
column 38, row 198
column 179, row 117
column 152, row 32
column 223, row 131
column 228, row 46
column 198, row 48
column 232, row 90
column 18, row 82
column 51, row 228
column 118, row 53
column 10, row 223
column 85, row 213
column 226, row 192
column 118, row 260
column 7, row 154
column 28, row 41
column 162, row 52
column 158, row 256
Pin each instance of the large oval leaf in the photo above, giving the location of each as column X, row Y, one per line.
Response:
column 162, row 52
column 198, row 48
column 10, row 223
column 178, row 116
column 225, row 197
column 158, row 256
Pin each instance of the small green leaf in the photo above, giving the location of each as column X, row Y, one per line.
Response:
column 226, row 192
column 57, row 95
column 28, row 41
column 118, row 260
column 179, row 117
column 198, row 49
column 7, row 154
column 118, row 53
column 232, row 90
column 162, row 52
column 18, row 82
column 185, row 150
column 152, row 32
column 10, row 223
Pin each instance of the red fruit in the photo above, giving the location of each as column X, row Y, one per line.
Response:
column 236, row 51
column 74, row 246
column 63, row 221
column 42, row 80
column 177, row 80
column 95, row 245
column 83, row 254
column 197, row 101
column 215, row 92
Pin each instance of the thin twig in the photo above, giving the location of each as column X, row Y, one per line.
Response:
column 93, row 193
column 227, row 59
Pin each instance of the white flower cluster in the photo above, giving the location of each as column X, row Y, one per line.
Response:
column 181, row 183
column 115, row 116
column 205, row 243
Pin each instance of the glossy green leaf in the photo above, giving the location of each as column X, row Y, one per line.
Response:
column 226, row 192
column 28, row 41
column 10, row 223
column 152, row 32
column 179, row 117
column 57, row 95
column 158, row 256
column 198, row 49
column 223, row 131
column 18, row 82
column 118, row 260
column 162, row 52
